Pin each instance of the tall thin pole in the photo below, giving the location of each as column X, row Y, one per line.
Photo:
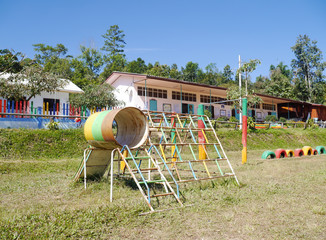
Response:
column 181, row 96
column 146, row 108
column 240, row 113
column 210, row 102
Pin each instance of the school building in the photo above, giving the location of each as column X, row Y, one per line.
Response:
column 171, row 95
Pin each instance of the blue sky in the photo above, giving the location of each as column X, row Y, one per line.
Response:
column 169, row 31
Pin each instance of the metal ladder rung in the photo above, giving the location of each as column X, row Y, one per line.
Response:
column 200, row 179
column 152, row 181
column 144, row 157
column 199, row 161
column 162, row 194
column 144, row 169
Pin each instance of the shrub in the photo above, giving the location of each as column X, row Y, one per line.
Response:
column 251, row 123
column 223, row 118
column 282, row 119
column 53, row 125
column 233, row 119
column 270, row 118
column 208, row 113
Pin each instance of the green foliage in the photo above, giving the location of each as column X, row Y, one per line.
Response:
column 251, row 123
column 261, row 84
column 92, row 59
column 233, row 93
column 95, row 96
column 48, row 53
column 308, row 66
column 222, row 118
column 191, row 72
column 282, row 119
column 113, row 42
column 158, row 70
column 247, row 68
column 10, row 61
column 233, row 119
column 136, row 66
column 227, row 74
column 280, row 83
column 115, row 63
column 270, row 118
column 52, row 125
column 208, row 113
column 16, row 86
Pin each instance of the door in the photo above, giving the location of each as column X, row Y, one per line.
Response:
column 152, row 105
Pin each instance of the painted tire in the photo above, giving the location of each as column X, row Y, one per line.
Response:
column 289, row 153
column 314, row 152
column 280, row 153
column 307, row 150
column 321, row 150
column 298, row 152
column 268, row 154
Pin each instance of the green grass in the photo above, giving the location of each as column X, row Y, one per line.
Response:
column 40, row 144
column 278, row 199
column 45, row 144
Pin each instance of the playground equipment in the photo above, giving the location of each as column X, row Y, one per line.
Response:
column 307, row 150
column 153, row 148
column 268, row 154
column 298, row 152
column 289, row 152
column 314, row 152
column 320, row 150
column 280, row 153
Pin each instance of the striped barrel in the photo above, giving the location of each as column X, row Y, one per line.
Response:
column 115, row 128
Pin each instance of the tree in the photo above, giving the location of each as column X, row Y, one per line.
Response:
column 10, row 62
column 116, row 63
column 211, row 75
column 114, row 41
column 227, row 74
column 280, row 83
column 174, row 72
column 260, row 84
column 29, row 82
column 81, row 75
column 159, row 70
column 92, row 59
column 136, row 66
column 95, row 96
column 247, row 68
column 48, row 53
column 307, row 66
column 53, row 59
column 190, row 72
column 233, row 93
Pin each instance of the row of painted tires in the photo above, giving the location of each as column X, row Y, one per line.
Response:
column 305, row 151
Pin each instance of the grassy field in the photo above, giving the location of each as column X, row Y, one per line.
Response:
column 278, row 199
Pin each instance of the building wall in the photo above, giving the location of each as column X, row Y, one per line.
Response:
column 126, row 91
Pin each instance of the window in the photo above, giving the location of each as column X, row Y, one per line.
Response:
column 185, row 96
column 208, row 99
column 224, row 103
column 152, row 92
column 269, row 106
column 256, row 106
column 167, row 107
